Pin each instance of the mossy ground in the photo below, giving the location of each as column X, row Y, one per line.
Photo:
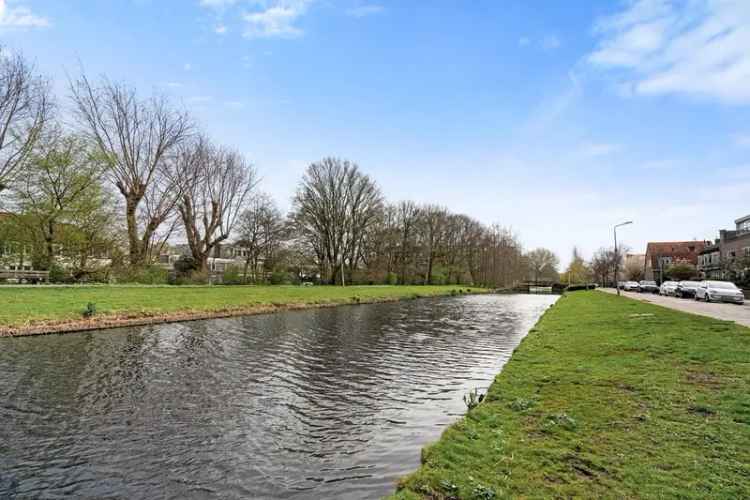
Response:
column 606, row 397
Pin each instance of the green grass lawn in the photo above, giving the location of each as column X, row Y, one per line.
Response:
column 607, row 397
column 24, row 305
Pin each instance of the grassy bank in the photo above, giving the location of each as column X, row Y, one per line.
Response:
column 25, row 310
column 607, row 398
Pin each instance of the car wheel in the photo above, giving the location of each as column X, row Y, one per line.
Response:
column 707, row 298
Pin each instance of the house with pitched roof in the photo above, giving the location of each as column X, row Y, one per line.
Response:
column 661, row 255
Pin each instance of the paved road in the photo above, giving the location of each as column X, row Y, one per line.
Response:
column 728, row 312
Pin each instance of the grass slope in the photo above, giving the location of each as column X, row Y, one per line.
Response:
column 20, row 306
column 606, row 398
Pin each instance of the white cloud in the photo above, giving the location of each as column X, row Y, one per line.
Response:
column 275, row 19
column 220, row 29
column 187, row 67
column 172, row 85
column 20, row 17
column 523, row 41
column 365, row 10
column 696, row 47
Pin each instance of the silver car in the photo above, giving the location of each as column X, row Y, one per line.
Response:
column 631, row 286
column 719, row 291
column 686, row 289
column 668, row 288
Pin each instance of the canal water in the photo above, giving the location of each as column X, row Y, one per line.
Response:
column 327, row 403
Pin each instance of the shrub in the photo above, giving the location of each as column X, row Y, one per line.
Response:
column 186, row 265
column 232, row 276
column 90, row 310
column 280, row 278
column 149, row 275
column 57, row 274
column 392, row 279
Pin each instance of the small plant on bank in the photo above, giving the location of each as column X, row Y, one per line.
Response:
column 472, row 399
column 482, row 492
column 521, row 404
column 90, row 310
column 562, row 420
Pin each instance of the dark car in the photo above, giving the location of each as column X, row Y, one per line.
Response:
column 648, row 287
column 687, row 289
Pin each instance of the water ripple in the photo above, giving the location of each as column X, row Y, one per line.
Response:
column 330, row 403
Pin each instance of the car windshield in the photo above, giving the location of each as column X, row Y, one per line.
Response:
column 648, row 282
column 689, row 283
column 632, row 283
column 723, row 285
column 669, row 283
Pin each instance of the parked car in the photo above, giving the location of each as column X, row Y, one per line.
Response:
column 686, row 289
column 621, row 285
column 719, row 291
column 631, row 286
column 648, row 287
column 668, row 288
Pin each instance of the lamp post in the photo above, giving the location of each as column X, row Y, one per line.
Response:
column 617, row 254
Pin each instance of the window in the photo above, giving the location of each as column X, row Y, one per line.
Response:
column 746, row 251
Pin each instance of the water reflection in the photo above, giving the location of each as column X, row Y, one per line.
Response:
column 332, row 403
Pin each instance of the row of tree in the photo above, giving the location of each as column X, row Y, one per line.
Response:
column 125, row 175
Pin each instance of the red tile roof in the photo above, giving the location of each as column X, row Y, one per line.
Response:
column 686, row 251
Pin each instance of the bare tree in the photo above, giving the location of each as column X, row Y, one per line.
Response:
column 216, row 182
column 25, row 106
column 543, row 264
column 138, row 136
column 432, row 223
column 260, row 230
column 334, row 207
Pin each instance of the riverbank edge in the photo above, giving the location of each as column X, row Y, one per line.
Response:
column 142, row 318
column 546, row 473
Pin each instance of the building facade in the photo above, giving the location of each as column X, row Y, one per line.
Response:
column 729, row 257
column 660, row 256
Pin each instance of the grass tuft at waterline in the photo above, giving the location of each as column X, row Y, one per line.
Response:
column 44, row 309
column 606, row 397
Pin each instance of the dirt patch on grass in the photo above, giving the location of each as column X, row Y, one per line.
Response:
column 703, row 379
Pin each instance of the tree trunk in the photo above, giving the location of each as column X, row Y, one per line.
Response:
column 134, row 243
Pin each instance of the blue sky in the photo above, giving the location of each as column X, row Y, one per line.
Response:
column 557, row 119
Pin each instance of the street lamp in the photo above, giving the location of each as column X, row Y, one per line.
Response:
column 617, row 255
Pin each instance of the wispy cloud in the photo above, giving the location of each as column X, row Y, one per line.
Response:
column 742, row 140
column 236, row 105
column 546, row 42
column 277, row 19
column 657, row 165
column 220, row 29
column 365, row 10
column 172, row 85
column 550, row 42
column 697, row 47
column 187, row 67
column 20, row 17
column 595, row 150
column 217, row 4
column 200, row 99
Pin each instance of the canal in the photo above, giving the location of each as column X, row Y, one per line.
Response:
column 326, row 403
